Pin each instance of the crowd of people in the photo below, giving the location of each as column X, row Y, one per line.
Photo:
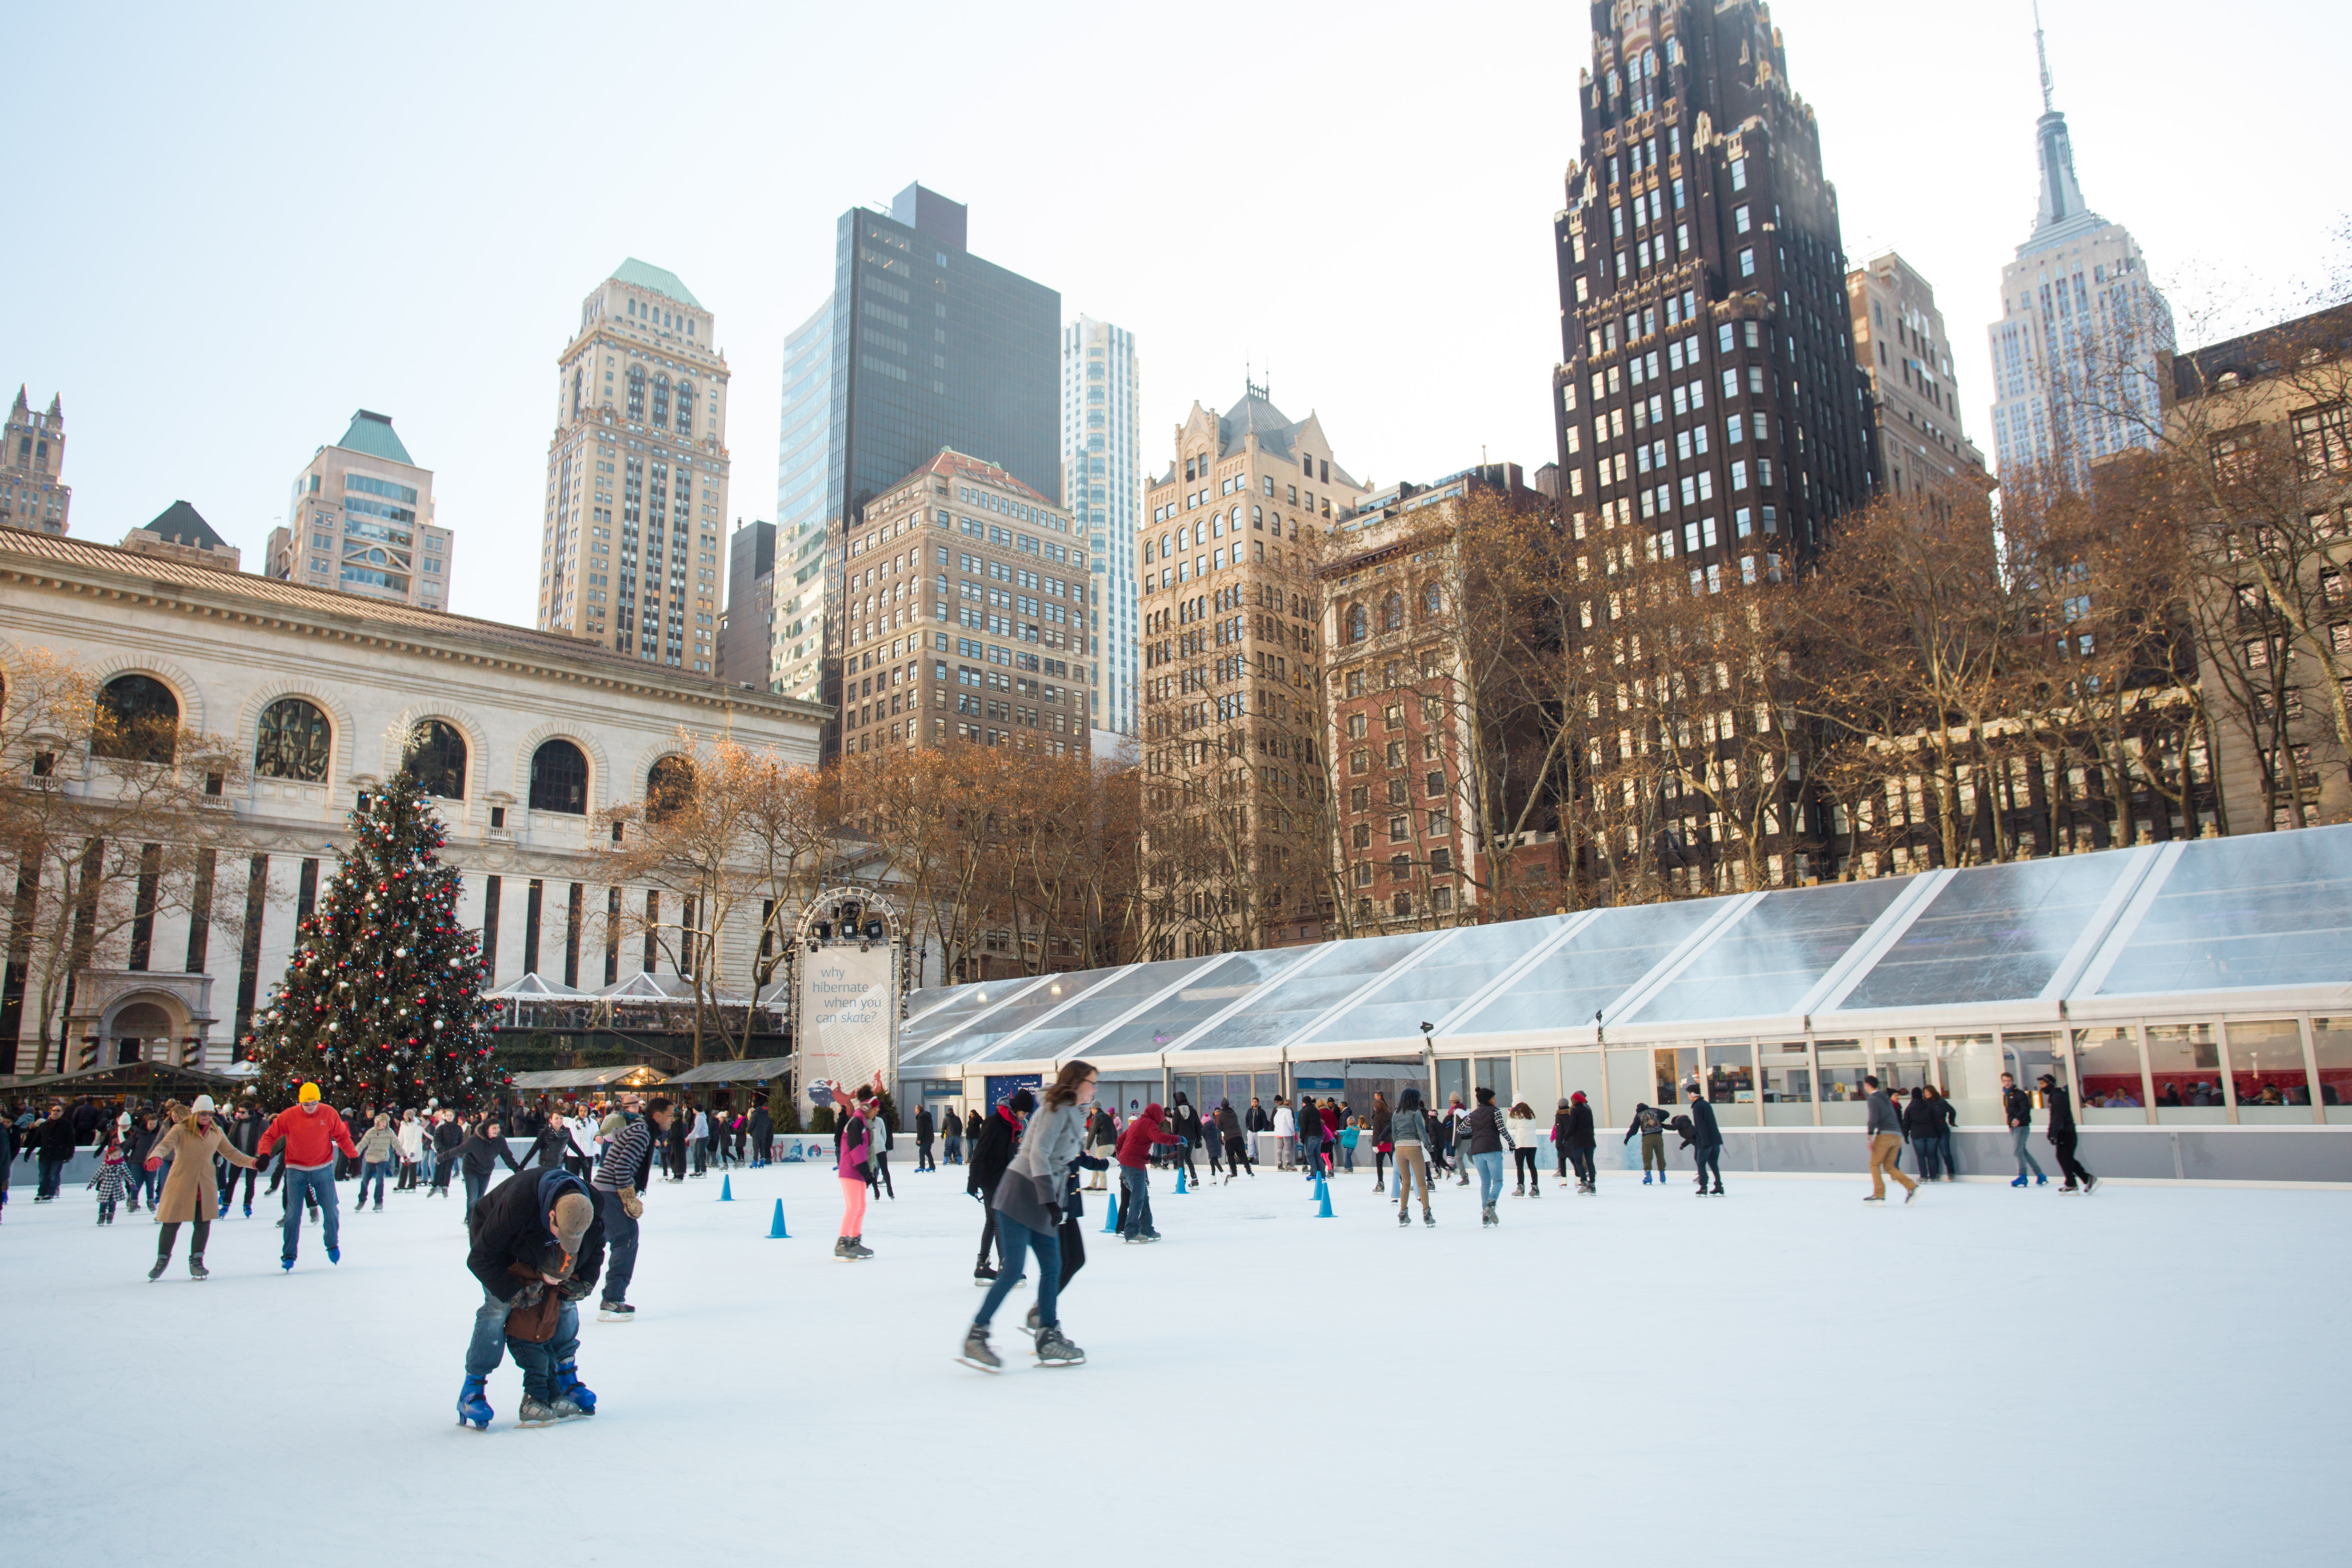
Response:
column 568, row 1226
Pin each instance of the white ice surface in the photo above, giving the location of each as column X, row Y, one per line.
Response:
column 2151, row 1374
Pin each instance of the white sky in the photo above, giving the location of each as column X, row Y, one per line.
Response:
column 232, row 226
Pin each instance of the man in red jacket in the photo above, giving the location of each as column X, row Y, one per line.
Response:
column 1135, row 1147
column 311, row 1134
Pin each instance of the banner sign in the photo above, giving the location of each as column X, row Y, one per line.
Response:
column 848, row 1015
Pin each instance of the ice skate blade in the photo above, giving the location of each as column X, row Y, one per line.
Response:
column 979, row 1365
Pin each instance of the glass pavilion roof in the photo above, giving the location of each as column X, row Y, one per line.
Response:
column 2263, row 911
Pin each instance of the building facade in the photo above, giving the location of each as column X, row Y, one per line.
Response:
column 1906, row 363
column 1102, row 484
column 1707, row 405
column 1233, row 710
column 32, row 495
column 525, row 736
column 360, row 521
column 748, row 634
column 966, row 603
column 636, row 475
column 2077, row 353
column 181, row 532
column 921, row 346
column 805, row 440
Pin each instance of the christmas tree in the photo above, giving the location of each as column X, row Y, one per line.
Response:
column 382, row 1000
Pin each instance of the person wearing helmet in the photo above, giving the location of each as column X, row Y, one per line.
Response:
column 312, row 1133
column 189, row 1146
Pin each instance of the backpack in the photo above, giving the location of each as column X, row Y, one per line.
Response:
column 1651, row 1121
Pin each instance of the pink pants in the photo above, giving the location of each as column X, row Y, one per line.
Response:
column 853, row 1206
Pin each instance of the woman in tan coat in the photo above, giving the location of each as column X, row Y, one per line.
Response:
column 190, row 1145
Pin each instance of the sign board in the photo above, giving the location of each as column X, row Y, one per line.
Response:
column 1321, row 1084
column 1002, row 1087
column 848, row 1015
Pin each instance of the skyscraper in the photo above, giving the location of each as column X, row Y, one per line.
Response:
column 361, row 520
column 636, row 474
column 1907, row 361
column 1102, row 485
column 2075, row 354
column 922, row 346
column 1708, row 400
column 31, row 493
column 745, row 641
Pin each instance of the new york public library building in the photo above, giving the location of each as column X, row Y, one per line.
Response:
column 308, row 697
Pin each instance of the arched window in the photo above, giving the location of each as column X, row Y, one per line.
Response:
column 1432, row 600
column 636, row 392
column 138, row 720
column 293, row 741
column 559, row 778
column 1359, row 624
column 668, row 787
column 1392, row 613
column 436, row 759
column 661, row 402
column 686, row 407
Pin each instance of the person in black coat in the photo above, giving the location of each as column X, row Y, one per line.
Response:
column 992, row 1151
column 480, row 1154
column 1184, row 1120
column 925, row 1129
column 1575, row 1130
column 1923, row 1125
column 531, row 1238
column 53, row 1141
column 448, row 1136
column 1707, row 1143
column 763, row 1134
column 2062, row 1137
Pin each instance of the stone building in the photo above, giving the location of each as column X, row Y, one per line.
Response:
column 1907, row 361
column 965, row 614
column 1232, row 716
column 636, row 475
column 525, row 736
column 31, row 494
column 361, row 521
column 1708, row 400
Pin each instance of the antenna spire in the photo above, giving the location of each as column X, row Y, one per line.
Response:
column 2043, row 55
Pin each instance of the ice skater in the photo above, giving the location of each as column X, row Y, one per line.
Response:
column 478, row 1157
column 1650, row 1123
column 1143, row 1136
column 623, row 1168
column 2062, row 1137
column 1578, row 1141
column 1527, row 1180
column 379, row 1147
column 190, row 1146
column 2018, row 1107
column 992, row 1147
column 1883, row 1127
column 535, row 1247
column 924, row 1130
column 853, row 1162
column 312, row 1134
column 1028, row 1208
column 1415, row 1143
column 1488, row 1135
column 1383, row 1145
column 1237, row 1155
column 113, row 1177
column 1186, row 1122
column 1707, row 1143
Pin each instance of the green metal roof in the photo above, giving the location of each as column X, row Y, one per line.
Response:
column 647, row 275
column 371, row 433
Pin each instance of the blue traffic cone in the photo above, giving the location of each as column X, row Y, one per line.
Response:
column 727, row 1190
column 776, row 1231
column 1325, row 1193
column 1320, row 1194
column 1180, row 1178
column 1111, row 1217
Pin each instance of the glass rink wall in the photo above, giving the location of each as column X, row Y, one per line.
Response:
column 2196, row 997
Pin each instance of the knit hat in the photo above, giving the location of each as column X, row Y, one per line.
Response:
column 1578, row 1097
column 573, row 1214
column 309, row 1094
column 203, row 1105
column 1563, row 1104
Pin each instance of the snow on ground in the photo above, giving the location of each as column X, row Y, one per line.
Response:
column 1782, row 1375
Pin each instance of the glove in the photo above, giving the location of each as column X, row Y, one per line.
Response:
column 632, row 1205
column 530, row 1296
column 576, row 1289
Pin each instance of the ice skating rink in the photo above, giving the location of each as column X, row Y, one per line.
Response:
column 1783, row 1375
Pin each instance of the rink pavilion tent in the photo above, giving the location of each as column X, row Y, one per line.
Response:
column 2195, row 996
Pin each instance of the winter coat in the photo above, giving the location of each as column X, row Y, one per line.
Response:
column 2062, row 1112
column 1101, row 1131
column 310, row 1139
column 991, row 1151
column 1704, row 1132
column 1580, row 1126
column 410, row 1136
column 53, row 1140
column 1258, row 1120
column 553, row 1146
column 1383, row 1121
column 142, row 1138
column 378, row 1145
column 1525, row 1134
column 188, row 1191
column 853, row 1148
column 627, row 1158
column 1229, row 1123
column 764, row 1127
column 510, row 1226
column 1186, row 1121
column 243, row 1129
column 113, row 1179
column 1031, row 1189
column 447, row 1138
column 1285, row 1123
column 1880, row 1117
column 924, row 1126
column 482, row 1155
column 1921, row 1119
column 2017, row 1106
column 1487, row 1132
column 1142, row 1135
